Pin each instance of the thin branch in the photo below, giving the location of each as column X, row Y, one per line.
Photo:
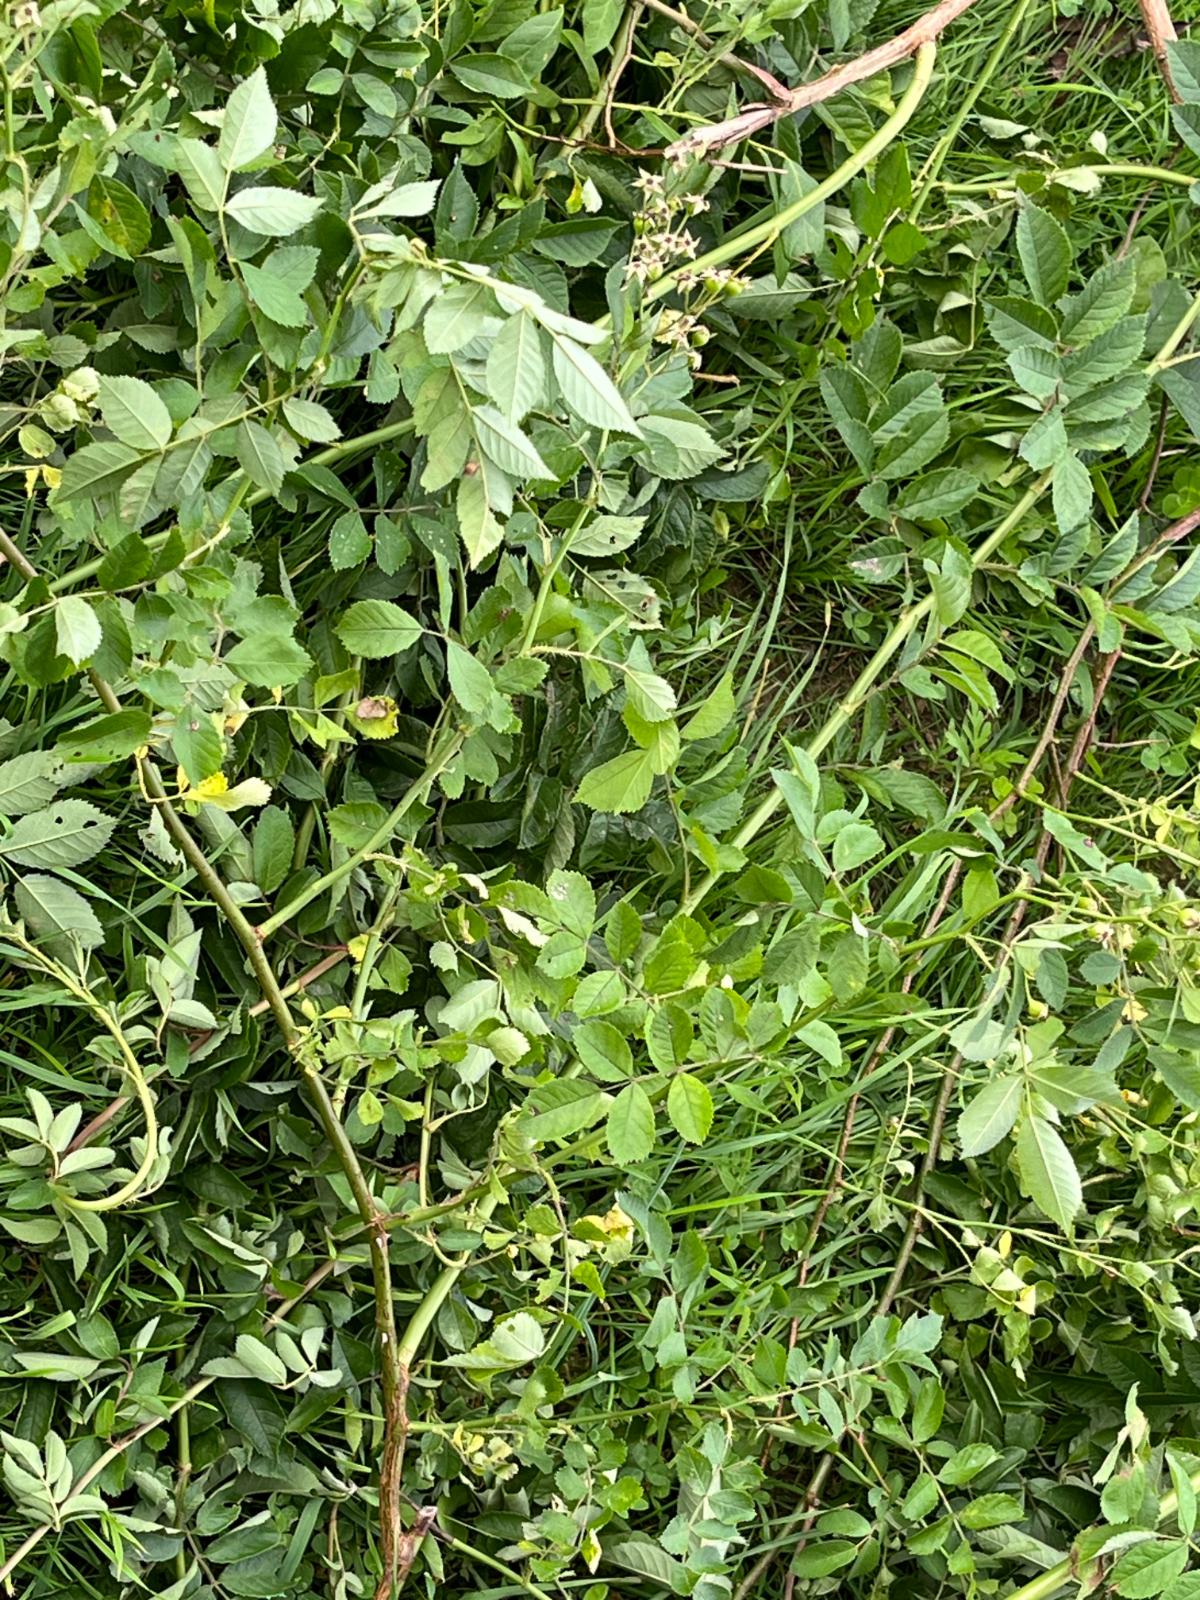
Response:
column 880, row 59
column 777, row 91
column 1160, row 30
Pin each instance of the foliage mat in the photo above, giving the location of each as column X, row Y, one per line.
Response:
column 599, row 665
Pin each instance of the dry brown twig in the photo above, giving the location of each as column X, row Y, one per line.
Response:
column 883, row 56
column 1160, row 30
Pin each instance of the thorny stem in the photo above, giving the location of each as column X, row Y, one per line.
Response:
column 393, row 1378
column 740, row 244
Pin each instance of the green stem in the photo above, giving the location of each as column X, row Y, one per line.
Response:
column 739, row 244
column 1176, row 337
column 438, row 1291
column 946, row 143
column 864, row 685
column 1084, row 1575
column 416, row 791
column 1102, row 169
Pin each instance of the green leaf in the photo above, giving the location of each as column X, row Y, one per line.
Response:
column 276, row 295
column 821, row 1557
column 992, row 1511
column 77, row 629
column 273, row 660
column 713, row 715
column 249, row 124
column 481, row 532
column 55, row 914
column 1048, row 1173
column 1147, row 1568
column 574, row 1112
column 690, row 1107
column 134, row 413
column 606, row 535
column 29, row 782
column 1044, row 251
column 259, row 456
column 272, row 212
column 516, row 368
column 273, row 845
column 109, row 738
column 470, row 681
column 458, row 315
column 517, row 1341
column 198, row 746
column 311, row 421
column 1071, row 492
column 1185, row 1494
column 259, row 1359
column 1101, row 303
column 492, row 75
column 349, row 542
column 506, row 445
column 620, row 785
column 937, row 494
column 65, row 834
column 990, row 1116
column 855, row 844
column 589, row 392
column 98, row 469
column 647, row 1560
column 378, row 628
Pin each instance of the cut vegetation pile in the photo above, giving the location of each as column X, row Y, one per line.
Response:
column 599, row 718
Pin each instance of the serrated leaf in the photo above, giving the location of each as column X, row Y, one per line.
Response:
column 249, row 124
column 273, row 660
column 506, row 445
column 1147, row 1568
column 607, row 536
column 377, row 628
column 349, row 542
column 1048, row 1172
column 274, row 213
column 29, row 782
column 65, row 834
column 629, row 1131
column 311, row 421
column 134, row 413
column 937, row 494
column 77, row 629
column 55, row 914
column 458, row 315
column 690, row 1107
column 1044, row 251
column 481, row 532
column 620, row 785
column 1102, row 302
column 517, row 1341
column 1071, row 492
column 259, row 456
column 589, row 392
column 98, row 469
column 990, row 1116
column 516, row 368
